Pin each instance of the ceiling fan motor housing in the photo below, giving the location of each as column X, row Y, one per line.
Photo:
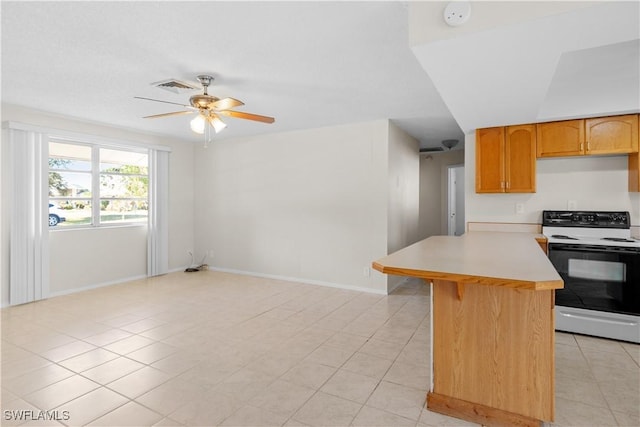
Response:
column 202, row 101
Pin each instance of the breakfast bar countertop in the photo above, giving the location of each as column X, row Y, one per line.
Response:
column 507, row 259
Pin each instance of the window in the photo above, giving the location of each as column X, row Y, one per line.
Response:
column 90, row 185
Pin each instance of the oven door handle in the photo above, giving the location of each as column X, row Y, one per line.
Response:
column 593, row 248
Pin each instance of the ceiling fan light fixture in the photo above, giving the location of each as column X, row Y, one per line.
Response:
column 197, row 124
column 450, row 143
column 217, row 124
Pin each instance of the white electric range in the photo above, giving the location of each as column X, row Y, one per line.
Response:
column 599, row 261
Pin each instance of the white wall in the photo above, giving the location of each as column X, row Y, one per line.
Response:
column 307, row 205
column 79, row 258
column 595, row 183
column 433, row 191
column 404, row 189
column 404, row 193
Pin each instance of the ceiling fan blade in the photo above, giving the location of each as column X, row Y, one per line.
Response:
column 175, row 113
column 166, row 102
column 226, row 103
column 248, row 116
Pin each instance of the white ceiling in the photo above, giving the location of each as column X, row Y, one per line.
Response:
column 576, row 64
column 313, row 64
column 308, row 64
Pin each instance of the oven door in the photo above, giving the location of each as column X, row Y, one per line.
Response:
column 601, row 278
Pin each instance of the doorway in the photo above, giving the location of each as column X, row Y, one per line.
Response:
column 455, row 200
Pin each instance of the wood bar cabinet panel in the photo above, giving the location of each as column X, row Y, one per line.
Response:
column 492, row 319
column 494, row 348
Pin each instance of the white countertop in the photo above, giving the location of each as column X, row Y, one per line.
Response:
column 492, row 258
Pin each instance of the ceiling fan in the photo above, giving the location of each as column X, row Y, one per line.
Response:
column 209, row 109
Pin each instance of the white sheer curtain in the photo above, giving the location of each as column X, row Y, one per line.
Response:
column 25, row 170
column 25, row 186
column 158, row 240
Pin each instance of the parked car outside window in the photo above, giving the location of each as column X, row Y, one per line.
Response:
column 56, row 215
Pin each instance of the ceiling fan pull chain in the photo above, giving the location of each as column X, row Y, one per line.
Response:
column 208, row 133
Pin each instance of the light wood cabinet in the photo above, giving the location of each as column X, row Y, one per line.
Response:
column 634, row 169
column 601, row 135
column 506, row 159
column 634, row 172
column 612, row 135
column 490, row 160
column 564, row 138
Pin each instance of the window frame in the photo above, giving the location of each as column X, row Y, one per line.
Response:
column 96, row 173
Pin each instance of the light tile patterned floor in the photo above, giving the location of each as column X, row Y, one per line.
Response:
column 212, row 348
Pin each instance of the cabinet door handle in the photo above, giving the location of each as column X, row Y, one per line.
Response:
column 582, row 146
column 502, row 184
column 588, row 146
column 508, row 185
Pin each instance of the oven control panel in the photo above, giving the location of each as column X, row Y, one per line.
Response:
column 586, row 219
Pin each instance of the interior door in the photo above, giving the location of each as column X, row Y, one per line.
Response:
column 455, row 197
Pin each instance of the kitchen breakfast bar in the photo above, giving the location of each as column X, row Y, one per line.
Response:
column 492, row 321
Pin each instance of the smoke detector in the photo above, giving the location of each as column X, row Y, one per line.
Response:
column 457, row 13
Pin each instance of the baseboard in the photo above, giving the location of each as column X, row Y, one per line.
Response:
column 95, row 286
column 477, row 413
column 397, row 285
column 175, row 270
column 299, row 280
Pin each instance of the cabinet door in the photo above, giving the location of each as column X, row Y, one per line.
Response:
column 557, row 139
column 520, row 159
column 490, row 160
column 611, row 135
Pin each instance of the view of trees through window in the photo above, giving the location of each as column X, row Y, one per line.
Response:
column 92, row 185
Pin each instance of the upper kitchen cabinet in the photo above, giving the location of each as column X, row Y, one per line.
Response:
column 634, row 172
column 612, row 135
column 490, row 146
column 602, row 135
column 557, row 139
column 506, row 159
column 520, row 159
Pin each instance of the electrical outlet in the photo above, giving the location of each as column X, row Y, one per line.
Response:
column 519, row 208
column 572, row 205
column 366, row 272
column 210, row 254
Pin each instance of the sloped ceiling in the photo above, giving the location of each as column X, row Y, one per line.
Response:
column 580, row 63
column 308, row 64
column 313, row 64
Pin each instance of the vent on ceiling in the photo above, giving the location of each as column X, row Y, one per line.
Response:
column 175, row 85
column 430, row 149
